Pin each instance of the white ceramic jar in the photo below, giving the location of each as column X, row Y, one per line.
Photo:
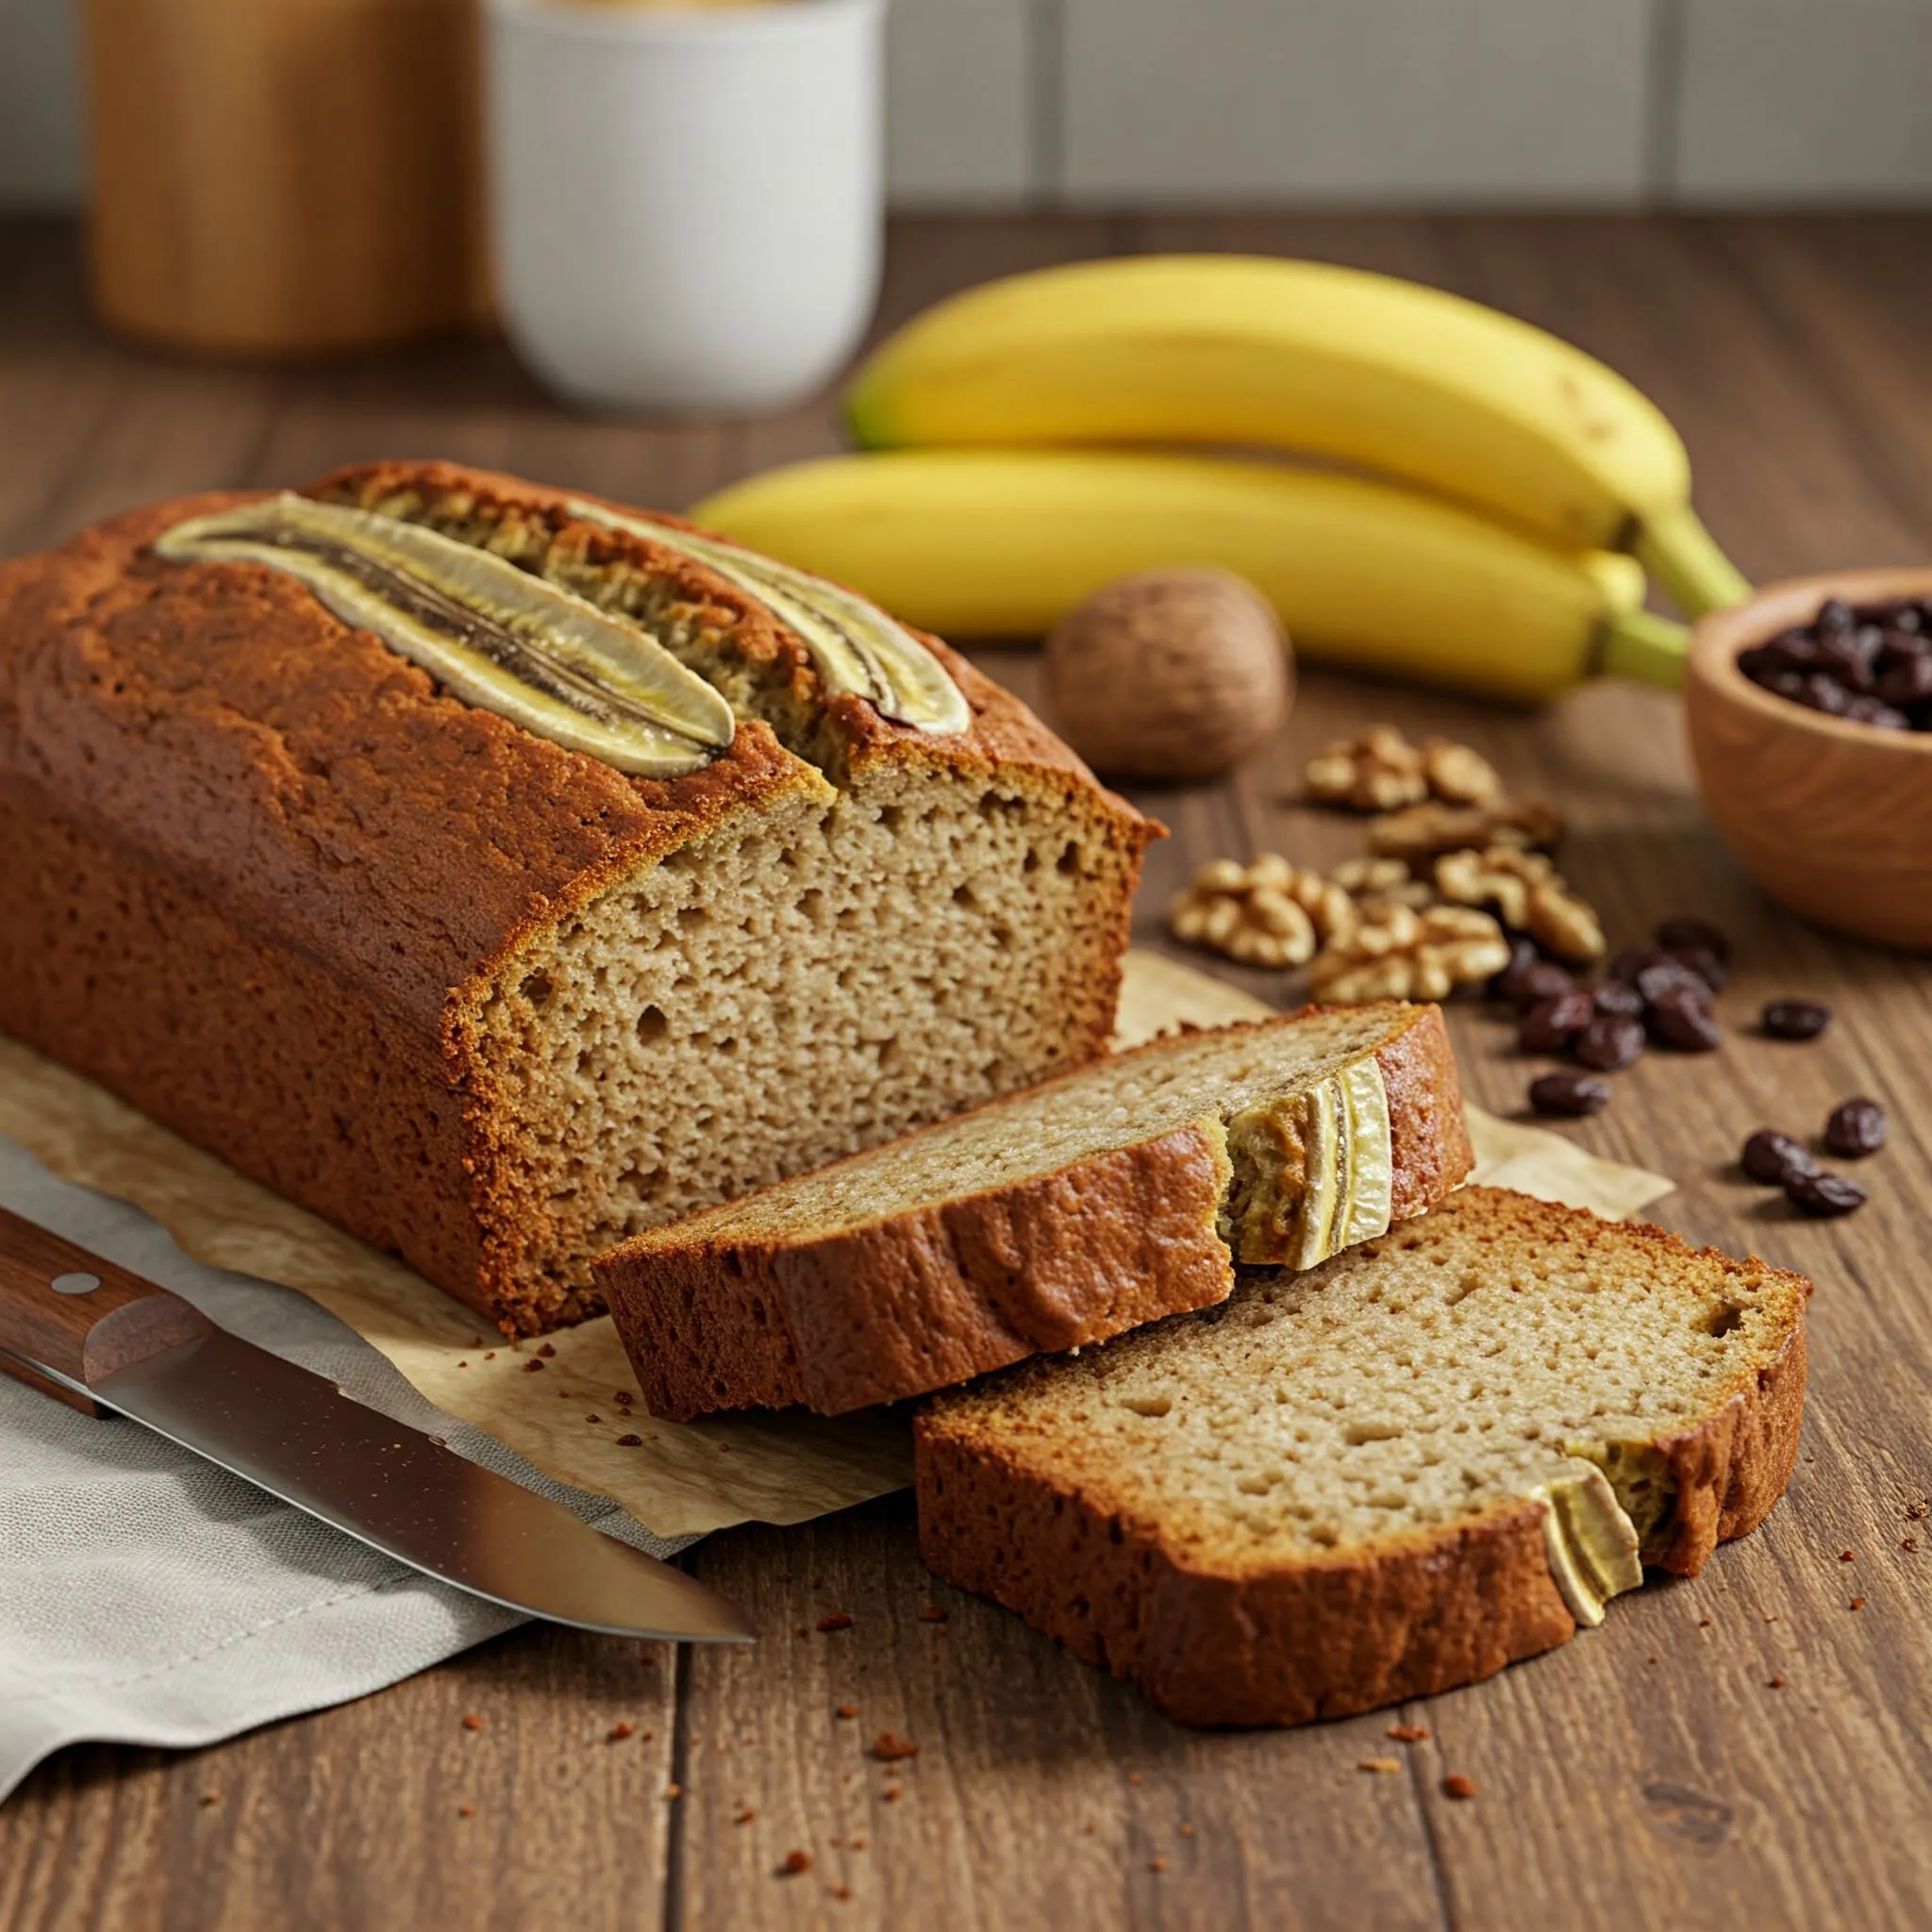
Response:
column 687, row 206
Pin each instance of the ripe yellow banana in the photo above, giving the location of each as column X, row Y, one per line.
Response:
column 1241, row 351
column 1004, row 543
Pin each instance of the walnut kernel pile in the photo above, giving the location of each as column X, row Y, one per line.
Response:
column 1527, row 894
column 1271, row 913
column 1396, row 952
column 1380, row 771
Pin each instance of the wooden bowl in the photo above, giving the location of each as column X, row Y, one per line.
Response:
column 1832, row 819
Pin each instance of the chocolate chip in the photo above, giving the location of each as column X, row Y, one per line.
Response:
column 1823, row 1195
column 1796, row 1018
column 1611, row 1041
column 1679, row 1019
column 1571, row 1095
column 1856, row 1129
column 1619, row 996
column 1551, row 1023
column 1774, row 1157
column 1686, row 934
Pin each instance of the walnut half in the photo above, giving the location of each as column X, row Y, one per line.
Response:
column 1397, row 953
column 1528, row 894
column 1271, row 913
column 1380, row 771
column 1424, row 832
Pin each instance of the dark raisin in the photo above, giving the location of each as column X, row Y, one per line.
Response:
column 1819, row 692
column 1876, row 712
column 1669, row 976
column 1772, row 1158
column 1551, row 1023
column 1546, row 980
column 1835, row 618
column 1569, row 1094
column 1633, row 959
column 1686, row 934
column 1824, row 1194
column 1612, row 1040
column 1680, row 1020
column 1850, row 659
column 1856, row 1129
column 1796, row 1018
column 1909, row 681
column 1619, row 996
column 1523, row 955
column 1707, row 965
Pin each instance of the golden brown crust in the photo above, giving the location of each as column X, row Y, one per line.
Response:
column 1306, row 1640
column 923, row 1299
column 246, row 793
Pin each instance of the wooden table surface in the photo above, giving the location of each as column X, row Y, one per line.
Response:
column 1753, row 1748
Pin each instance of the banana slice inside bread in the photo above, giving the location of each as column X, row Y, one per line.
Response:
column 1062, row 1215
column 1436, row 1454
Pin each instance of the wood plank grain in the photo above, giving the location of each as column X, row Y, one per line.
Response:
column 388, row 1811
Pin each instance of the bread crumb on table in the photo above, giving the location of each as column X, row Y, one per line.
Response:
column 846, row 1710
column 466, row 1810
column 889, row 1747
column 745, row 1816
column 619, row 1732
column 795, row 1862
column 471, row 1722
column 1776, row 1683
column 1382, row 1767
column 1134, row 1777
column 1186, row 1829
column 1858, row 1603
column 838, row 1620
column 630, row 1441
column 1410, row 1734
column 893, row 1794
column 932, row 1614
column 1157, row 1864
column 1456, row 1786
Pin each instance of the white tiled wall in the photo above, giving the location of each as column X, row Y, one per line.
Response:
column 1112, row 103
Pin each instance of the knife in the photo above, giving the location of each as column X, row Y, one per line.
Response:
column 106, row 1342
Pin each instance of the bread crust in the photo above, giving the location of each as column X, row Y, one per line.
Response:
column 209, row 781
column 1308, row 1640
column 926, row 1298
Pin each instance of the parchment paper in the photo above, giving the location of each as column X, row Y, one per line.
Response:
column 684, row 1478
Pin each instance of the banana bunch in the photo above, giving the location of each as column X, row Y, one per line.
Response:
column 1529, row 487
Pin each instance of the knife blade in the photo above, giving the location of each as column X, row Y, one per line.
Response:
column 107, row 1341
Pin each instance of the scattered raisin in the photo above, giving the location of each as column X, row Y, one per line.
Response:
column 1823, row 1195
column 1571, row 1095
column 1686, row 934
column 888, row 1746
column 1774, row 1157
column 1796, row 1018
column 1541, row 979
column 1549, row 1025
column 1856, row 1129
column 1618, row 996
column 1610, row 1041
column 1680, row 1020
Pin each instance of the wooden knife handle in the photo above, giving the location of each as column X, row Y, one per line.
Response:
column 81, row 1316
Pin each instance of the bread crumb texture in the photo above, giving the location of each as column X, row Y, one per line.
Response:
column 1314, row 1498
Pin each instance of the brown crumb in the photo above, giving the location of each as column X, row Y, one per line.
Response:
column 593, row 1418
column 801, row 1630
column 859, row 1844
column 795, row 1862
column 1858, row 1603
column 463, row 1365
column 489, row 1355
column 1915, row 1513
column 1456, row 1786
column 466, row 1810
column 674, row 1790
column 532, row 1366
column 1410, row 1734
column 1704, row 1623
column 1382, row 1767
column 745, row 1816
column 1187, row 1830
column 1653, row 1656
column 1776, row 1683
column 1157, row 1864
column 471, row 1722
column 210, row 1798
column 630, row 1441
column 891, row 1794
column 1845, row 1557
column 548, row 1351
column 1909, row 1542
column 622, row 1397
column 932, row 1614
column 838, row 1620
column 847, row 1710
column 1134, row 1777
column 888, row 1747
column 619, row 1732
column 1087, row 1830
column 840, row 1892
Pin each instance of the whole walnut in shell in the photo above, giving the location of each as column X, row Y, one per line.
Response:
column 1169, row 674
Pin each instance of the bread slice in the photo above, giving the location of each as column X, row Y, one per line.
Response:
column 1393, row 1475
column 1077, row 1210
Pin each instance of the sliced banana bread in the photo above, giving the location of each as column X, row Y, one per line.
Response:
column 497, row 871
column 1431, row 1457
column 1072, row 1211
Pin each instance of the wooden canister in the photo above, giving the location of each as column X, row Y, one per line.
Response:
column 286, row 177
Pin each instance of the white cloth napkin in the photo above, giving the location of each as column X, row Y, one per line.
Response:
column 147, row 1597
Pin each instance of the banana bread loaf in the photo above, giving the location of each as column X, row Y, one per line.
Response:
column 423, row 963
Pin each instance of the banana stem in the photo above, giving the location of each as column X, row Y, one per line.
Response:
column 1683, row 557
column 1642, row 645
